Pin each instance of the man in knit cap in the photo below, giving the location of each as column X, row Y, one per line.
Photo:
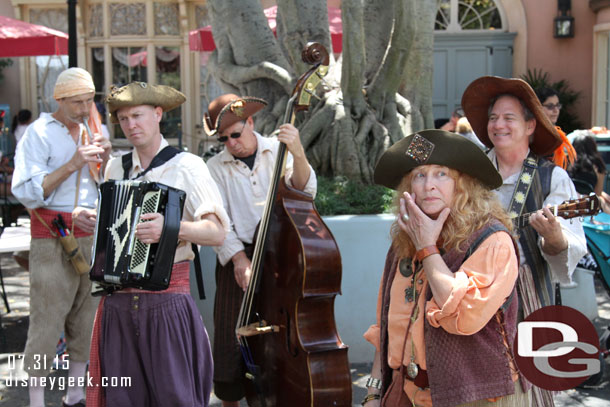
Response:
column 51, row 178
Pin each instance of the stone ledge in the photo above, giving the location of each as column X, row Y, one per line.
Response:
column 597, row 5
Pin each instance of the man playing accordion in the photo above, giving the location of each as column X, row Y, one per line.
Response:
column 157, row 338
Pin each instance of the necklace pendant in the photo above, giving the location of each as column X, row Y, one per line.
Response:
column 405, row 267
column 412, row 370
column 409, row 291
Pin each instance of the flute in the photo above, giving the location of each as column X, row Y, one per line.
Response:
column 90, row 133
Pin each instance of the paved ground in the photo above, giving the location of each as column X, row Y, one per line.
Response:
column 14, row 330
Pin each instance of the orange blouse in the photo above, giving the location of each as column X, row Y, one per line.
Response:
column 481, row 286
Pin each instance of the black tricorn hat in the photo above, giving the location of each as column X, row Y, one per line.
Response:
column 438, row 147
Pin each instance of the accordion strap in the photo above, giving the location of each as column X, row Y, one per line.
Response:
column 198, row 272
column 161, row 158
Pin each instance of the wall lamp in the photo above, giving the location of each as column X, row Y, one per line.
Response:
column 563, row 24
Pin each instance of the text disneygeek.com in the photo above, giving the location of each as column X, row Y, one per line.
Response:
column 18, row 374
column 61, row 382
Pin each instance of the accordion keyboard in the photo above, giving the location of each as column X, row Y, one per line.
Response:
column 139, row 256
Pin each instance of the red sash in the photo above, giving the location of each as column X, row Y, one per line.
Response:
column 39, row 231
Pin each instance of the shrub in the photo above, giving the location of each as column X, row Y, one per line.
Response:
column 340, row 196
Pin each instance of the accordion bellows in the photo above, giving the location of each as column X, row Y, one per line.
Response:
column 119, row 258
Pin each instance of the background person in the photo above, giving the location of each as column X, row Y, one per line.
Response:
column 564, row 155
column 463, row 128
column 21, row 122
column 452, row 122
column 589, row 169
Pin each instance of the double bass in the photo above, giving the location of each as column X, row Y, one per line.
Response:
column 286, row 327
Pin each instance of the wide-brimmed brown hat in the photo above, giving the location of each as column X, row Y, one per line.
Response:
column 476, row 102
column 229, row 109
column 438, row 147
column 142, row 93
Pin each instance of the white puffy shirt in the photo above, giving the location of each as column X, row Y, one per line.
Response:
column 244, row 191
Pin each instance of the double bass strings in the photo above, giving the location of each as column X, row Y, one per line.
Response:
column 245, row 311
column 278, row 171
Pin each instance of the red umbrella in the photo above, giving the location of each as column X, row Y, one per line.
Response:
column 21, row 39
column 201, row 39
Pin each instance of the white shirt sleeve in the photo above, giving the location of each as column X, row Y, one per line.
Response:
column 563, row 264
column 312, row 183
column 31, row 168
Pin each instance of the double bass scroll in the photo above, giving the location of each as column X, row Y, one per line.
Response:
column 286, row 327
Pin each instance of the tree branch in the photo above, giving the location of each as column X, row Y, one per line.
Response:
column 234, row 74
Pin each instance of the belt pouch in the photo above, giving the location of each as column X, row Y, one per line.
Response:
column 74, row 254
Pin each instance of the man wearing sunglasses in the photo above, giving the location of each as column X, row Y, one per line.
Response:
column 243, row 172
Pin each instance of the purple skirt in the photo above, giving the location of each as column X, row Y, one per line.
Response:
column 160, row 343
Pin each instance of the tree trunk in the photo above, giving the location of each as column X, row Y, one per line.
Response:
column 376, row 93
column 417, row 78
column 298, row 23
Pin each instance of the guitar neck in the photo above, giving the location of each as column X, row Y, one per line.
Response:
column 524, row 220
column 587, row 206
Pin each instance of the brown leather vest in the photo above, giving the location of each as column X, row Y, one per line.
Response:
column 461, row 368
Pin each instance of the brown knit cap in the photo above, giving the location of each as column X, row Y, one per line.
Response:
column 141, row 93
column 476, row 102
column 229, row 109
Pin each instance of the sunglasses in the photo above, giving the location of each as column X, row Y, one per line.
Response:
column 551, row 106
column 223, row 139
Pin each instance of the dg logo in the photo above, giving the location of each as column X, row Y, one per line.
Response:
column 556, row 348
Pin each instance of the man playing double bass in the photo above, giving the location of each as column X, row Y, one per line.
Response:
column 243, row 173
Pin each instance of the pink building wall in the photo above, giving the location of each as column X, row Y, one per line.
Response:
column 568, row 58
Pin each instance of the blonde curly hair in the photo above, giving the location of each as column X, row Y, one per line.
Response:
column 473, row 206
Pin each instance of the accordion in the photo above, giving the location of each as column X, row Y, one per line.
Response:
column 119, row 258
